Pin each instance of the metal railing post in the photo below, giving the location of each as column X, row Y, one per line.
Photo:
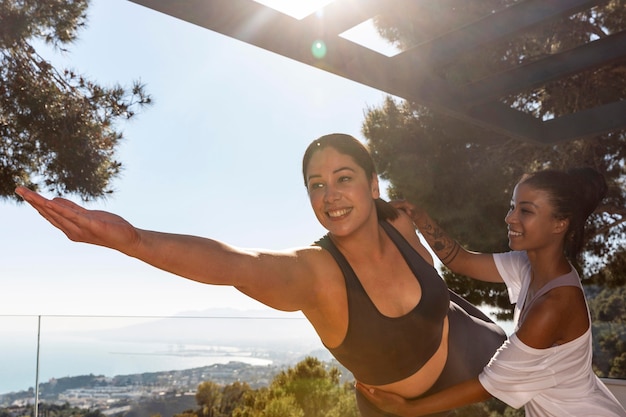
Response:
column 37, row 368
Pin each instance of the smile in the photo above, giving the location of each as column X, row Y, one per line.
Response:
column 514, row 234
column 338, row 213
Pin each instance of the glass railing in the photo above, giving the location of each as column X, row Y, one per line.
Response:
column 46, row 349
column 98, row 361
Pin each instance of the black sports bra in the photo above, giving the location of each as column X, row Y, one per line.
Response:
column 378, row 349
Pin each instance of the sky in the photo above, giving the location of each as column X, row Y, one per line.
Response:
column 217, row 155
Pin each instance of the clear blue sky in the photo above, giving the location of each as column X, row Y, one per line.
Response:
column 217, row 155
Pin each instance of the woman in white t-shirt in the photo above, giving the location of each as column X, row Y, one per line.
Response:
column 545, row 365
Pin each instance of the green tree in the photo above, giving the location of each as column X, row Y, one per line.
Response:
column 462, row 174
column 608, row 305
column 57, row 128
column 609, row 314
column 209, row 397
column 283, row 407
column 614, row 275
column 309, row 389
column 232, row 396
column 252, row 402
column 609, row 350
column 215, row 400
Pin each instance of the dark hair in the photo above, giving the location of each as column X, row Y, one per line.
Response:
column 574, row 194
column 348, row 145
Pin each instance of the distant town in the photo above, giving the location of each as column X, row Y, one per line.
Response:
column 116, row 395
column 107, row 393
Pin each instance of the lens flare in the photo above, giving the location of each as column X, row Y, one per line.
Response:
column 318, row 49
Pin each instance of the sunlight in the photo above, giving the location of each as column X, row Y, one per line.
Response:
column 298, row 9
column 365, row 34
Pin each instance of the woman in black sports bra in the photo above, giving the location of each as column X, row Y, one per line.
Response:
column 368, row 287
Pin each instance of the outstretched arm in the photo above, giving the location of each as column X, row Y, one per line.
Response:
column 265, row 276
column 461, row 261
column 459, row 395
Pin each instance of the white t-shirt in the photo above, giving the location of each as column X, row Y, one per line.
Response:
column 554, row 382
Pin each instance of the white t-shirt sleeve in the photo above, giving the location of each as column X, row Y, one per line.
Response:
column 512, row 266
column 517, row 373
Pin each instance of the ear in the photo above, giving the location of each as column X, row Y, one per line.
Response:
column 561, row 225
column 375, row 187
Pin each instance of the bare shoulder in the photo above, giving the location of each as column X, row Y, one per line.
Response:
column 321, row 267
column 404, row 224
column 288, row 280
column 325, row 292
column 316, row 259
column 557, row 317
column 303, row 264
column 562, row 302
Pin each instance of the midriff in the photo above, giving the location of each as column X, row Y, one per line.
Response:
column 418, row 383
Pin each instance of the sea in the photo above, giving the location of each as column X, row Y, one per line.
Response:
column 34, row 349
column 38, row 348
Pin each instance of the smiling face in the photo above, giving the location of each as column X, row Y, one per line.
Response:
column 531, row 221
column 341, row 194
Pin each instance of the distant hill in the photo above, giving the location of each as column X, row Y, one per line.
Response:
column 270, row 329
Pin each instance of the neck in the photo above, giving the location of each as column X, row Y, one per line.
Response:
column 366, row 241
column 548, row 265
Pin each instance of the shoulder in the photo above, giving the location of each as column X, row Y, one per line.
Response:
column 404, row 224
column 514, row 269
column 313, row 258
column 552, row 315
column 294, row 279
column 511, row 260
column 319, row 263
column 298, row 266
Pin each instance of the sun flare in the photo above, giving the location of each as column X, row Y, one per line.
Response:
column 298, row 9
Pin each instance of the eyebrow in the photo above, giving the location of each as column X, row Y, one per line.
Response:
column 310, row 177
column 530, row 203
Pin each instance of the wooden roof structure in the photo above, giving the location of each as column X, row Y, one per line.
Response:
column 412, row 74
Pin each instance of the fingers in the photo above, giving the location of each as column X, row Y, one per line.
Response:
column 61, row 213
column 60, row 205
column 80, row 224
column 367, row 391
column 404, row 206
column 401, row 204
column 70, row 205
column 29, row 196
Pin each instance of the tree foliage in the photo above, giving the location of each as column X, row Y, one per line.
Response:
column 209, row 397
column 606, row 305
column 57, row 128
column 217, row 401
column 462, row 174
column 309, row 389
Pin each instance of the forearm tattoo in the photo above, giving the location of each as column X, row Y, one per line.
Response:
column 441, row 243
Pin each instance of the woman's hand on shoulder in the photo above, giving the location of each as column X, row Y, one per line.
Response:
column 410, row 209
column 404, row 224
column 479, row 266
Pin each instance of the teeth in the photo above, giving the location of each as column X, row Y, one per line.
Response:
column 512, row 233
column 338, row 213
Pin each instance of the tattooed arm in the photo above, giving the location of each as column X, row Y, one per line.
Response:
column 459, row 260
